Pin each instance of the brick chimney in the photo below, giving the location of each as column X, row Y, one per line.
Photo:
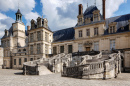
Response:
column 28, row 27
column 80, row 9
column 103, row 9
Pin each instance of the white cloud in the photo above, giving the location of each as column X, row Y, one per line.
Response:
column 30, row 16
column 63, row 13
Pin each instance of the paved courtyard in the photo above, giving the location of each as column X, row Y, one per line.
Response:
column 9, row 77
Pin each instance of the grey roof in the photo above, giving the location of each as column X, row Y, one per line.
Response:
column 18, row 12
column 11, row 33
column 64, row 34
column 122, row 21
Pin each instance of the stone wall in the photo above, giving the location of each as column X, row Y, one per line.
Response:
column 1, row 57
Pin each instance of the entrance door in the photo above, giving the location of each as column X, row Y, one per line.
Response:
column 87, row 48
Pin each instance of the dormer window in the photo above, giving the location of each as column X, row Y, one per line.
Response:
column 80, row 21
column 122, row 28
column 96, row 15
column 112, row 27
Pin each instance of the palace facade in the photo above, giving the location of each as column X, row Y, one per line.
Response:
column 92, row 32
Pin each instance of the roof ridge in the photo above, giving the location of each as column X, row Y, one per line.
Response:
column 63, row 29
column 118, row 16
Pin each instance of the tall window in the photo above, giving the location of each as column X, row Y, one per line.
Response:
column 112, row 29
column 8, row 44
column 95, row 31
column 46, row 37
column 88, row 32
column 80, row 47
column 61, row 49
column 20, row 61
column 54, row 50
column 69, row 48
column 31, row 49
column 95, row 17
column 38, row 49
column 14, row 61
column 25, row 59
column 80, row 33
column 31, row 37
column 38, row 35
column 31, row 59
column 46, row 48
column 96, row 46
column 112, row 44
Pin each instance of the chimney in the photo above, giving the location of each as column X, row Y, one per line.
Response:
column 80, row 9
column 103, row 9
column 28, row 27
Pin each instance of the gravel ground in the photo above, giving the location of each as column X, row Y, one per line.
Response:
column 9, row 77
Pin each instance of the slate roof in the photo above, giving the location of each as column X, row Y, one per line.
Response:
column 122, row 21
column 63, row 35
column 11, row 33
column 18, row 12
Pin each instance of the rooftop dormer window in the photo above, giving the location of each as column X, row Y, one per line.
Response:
column 96, row 15
column 112, row 27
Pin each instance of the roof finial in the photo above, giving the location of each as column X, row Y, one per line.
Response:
column 87, row 4
column 95, row 2
column 18, row 4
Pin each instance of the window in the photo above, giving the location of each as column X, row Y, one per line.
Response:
column 31, row 59
column 38, row 49
column 112, row 44
column 14, row 61
column 95, row 17
column 8, row 44
column 38, row 35
column 95, row 31
column 88, row 32
column 31, row 49
column 112, row 29
column 46, row 37
column 25, row 59
column 80, row 21
column 61, row 49
column 80, row 46
column 46, row 48
column 69, row 48
column 24, row 49
column 20, row 61
column 54, row 50
column 80, row 33
column 96, row 46
column 19, row 50
column 31, row 37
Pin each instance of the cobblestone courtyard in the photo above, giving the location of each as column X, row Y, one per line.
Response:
column 13, row 78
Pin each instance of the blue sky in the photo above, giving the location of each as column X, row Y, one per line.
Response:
column 61, row 14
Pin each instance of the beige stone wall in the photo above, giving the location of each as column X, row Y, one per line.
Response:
column 1, row 57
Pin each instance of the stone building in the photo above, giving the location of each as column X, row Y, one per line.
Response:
column 1, row 57
column 94, row 32
column 22, row 45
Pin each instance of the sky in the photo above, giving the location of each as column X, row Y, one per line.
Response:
column 60, row 14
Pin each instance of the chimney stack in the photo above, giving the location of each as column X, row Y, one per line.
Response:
column 80, row 9
column 103, row 9
column 28, row 27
